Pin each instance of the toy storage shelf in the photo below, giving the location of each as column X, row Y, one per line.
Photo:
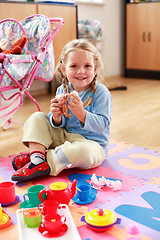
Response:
column 142, row 41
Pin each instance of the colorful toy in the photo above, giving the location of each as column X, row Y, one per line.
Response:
column 5, row 219
column 33, row 196
column 17, row 72
column 59, row 192
column 7, row 193
column 84, row 196
column 100, row 220
column 53, row 226
column 49, row 206
column 32, row 218
column 133, row 232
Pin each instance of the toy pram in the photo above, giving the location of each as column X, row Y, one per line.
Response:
column 17, row 72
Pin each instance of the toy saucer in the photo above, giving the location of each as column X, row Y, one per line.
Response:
column 90, row 200
column 47, row 234
column 15, row 201
column 26, row 204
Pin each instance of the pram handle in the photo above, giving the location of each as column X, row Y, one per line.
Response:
column 58, row 24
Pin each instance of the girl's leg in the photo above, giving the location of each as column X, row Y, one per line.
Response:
column 37, row 137
column 33, row 146
column 76, row 152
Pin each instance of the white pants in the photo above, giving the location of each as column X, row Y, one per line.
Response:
column 65, row 150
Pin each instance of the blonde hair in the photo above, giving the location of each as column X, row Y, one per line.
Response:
column 82, row 44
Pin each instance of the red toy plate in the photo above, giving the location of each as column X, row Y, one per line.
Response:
column 47, row 234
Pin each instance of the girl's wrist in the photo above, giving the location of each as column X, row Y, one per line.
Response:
column 82, row 117
column 56, row 121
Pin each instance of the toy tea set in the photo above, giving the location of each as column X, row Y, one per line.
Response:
column 46, row 211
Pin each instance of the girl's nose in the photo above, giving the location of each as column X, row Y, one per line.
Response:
column 81, row 70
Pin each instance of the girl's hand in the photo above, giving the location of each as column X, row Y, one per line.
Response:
column 56, row 110
column 76, row 106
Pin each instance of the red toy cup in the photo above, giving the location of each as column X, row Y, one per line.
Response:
column 7, row 192
column 53, row 222
column 49, row 206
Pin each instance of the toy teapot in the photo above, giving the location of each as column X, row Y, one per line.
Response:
column 59, row 191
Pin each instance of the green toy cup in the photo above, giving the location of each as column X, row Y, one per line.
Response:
column 33, row 195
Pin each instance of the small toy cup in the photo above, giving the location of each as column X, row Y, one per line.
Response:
column 53, row 222
column 7, row 192
column 84, row 193
column 49, row 206
column 32, row 218
column 33, row 195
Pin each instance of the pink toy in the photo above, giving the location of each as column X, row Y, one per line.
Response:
column 17, row 72
column 133, row 232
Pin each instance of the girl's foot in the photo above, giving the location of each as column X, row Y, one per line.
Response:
column 20, row 161
column 31, row 171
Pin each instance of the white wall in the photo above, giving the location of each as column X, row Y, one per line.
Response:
column 111, row 16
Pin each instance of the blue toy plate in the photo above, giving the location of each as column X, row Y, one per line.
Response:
column 90, row 200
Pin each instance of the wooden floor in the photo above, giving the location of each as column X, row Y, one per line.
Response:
column 135, row 117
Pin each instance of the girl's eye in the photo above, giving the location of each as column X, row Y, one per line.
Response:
column 73, row 66
column 88, row 66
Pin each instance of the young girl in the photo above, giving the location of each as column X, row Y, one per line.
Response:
column 80, row 140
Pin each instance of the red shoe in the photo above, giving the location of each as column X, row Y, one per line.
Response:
column 30, row 171
column 20, row 161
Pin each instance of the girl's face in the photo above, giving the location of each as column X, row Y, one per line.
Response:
column 80, row 69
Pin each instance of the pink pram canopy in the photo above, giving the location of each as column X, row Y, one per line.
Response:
column 17, row 72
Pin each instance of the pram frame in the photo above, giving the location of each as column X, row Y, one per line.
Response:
column 29, row 78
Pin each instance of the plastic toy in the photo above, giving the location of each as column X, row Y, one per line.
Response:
column 68, row 231
column 59, row 192
column 33, row 196
column 133, row 232
column 54, row 225
column 49, row 206
column 5, row 219
column 84, row 196
column 32, row 218
column 100, row 220
column 7, row 193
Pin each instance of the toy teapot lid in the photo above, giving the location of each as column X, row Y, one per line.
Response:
column 58, row 186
